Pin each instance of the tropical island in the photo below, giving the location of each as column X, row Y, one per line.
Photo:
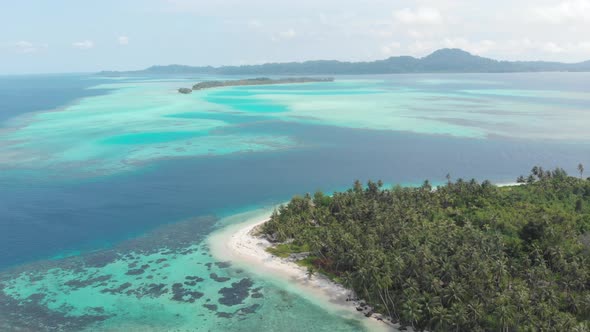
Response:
column 185, row 90
column 441, row 61
column 465, row 256
column 254, row 81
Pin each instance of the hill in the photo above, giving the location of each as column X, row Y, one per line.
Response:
column 441, row 61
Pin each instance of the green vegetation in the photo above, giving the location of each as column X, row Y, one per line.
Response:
column 259, row 81
column 467, row 256
column 185, row 90
column 441, row 61
column 284, row 250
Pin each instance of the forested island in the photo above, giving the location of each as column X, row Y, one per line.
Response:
column 254, row 81
column 465, row 256
column 441, row 61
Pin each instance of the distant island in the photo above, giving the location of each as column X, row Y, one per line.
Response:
column 441, row 61
column 254, row 81
column 465, row 256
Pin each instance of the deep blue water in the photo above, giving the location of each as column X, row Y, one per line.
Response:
column 40, row 219
column 30, row 93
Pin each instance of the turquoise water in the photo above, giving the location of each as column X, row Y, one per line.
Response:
column 155, row 137
column 109, row 192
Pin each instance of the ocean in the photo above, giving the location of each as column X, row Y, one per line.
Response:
column 109, row 188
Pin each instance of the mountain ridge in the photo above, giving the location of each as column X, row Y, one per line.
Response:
column 441, row 61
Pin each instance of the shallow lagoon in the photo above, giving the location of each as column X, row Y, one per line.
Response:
column 133, row 173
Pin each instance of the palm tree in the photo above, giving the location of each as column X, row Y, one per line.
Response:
column 464, row 257
column 581, row 170
column 411, row 311
column 441, row 318
column 505, row 312
column 535, row 171
column 458, row 315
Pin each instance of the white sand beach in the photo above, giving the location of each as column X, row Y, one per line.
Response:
column 237, row 244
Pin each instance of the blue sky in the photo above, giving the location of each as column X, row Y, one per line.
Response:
column 38, row 36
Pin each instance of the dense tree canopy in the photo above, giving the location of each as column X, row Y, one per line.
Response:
column 467, row 256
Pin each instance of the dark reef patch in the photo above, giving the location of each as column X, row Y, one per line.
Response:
column 151, row 290
column 32, row 313
column 224, row 314
column 223, row 265
column 33, row 316
column 237, row 293
column 212, row 307
column 248, row 310
column 117, row 290
column 240, row 312
column 99, row 310
column 193, row 280
column 36, row 298
column 154, row 290
column 141, row 270
column 78, row 283
column 36, row 278
column 182, row 294
column 186, row 251
column 134, row 272
column 217, row 278
column 100, row 258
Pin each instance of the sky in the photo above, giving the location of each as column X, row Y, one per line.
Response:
column 41, row 36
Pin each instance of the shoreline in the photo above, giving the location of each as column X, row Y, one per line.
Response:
column 237, row 244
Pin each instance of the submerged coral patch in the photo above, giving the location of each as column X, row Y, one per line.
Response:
column 79, row 283
column 223, row 265
column 235, row 294
column 117, row 290
column 212, row 307
column 182, row 294
column 193, row 280
column 217, row 278
column 134, row 272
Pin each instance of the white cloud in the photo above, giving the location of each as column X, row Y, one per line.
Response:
column 255, row 24
column 83, row 45
column 24, row 46
column 477, row 47
column 390, row 49
column 562, row 48
column 421, row 48
column 423, row 15
column 551, row 47
column 564, row 12
column 284, row 35
column 123, row 40
column 288, row 34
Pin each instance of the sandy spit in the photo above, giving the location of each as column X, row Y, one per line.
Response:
column 236, row 243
